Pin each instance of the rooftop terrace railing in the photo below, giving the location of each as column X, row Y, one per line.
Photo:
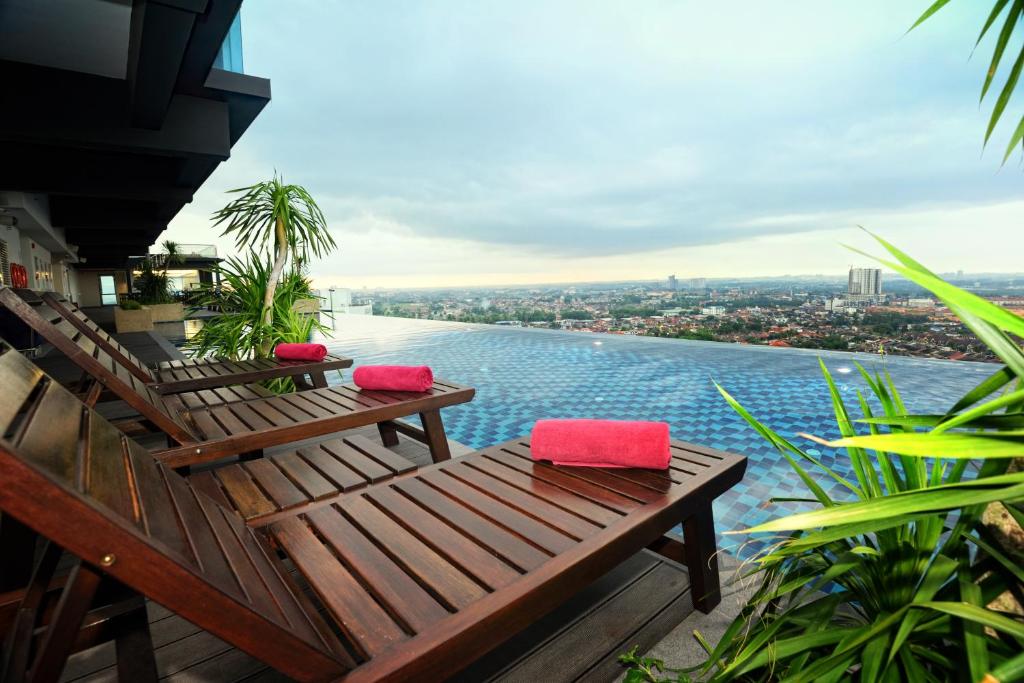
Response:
column 204, row 250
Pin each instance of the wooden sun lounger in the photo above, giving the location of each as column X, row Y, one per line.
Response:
column 410, row 579
column 211, row 424
column 176, row 376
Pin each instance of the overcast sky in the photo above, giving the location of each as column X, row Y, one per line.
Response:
column 489, row 142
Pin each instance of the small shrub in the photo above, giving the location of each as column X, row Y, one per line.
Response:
column 131, row 305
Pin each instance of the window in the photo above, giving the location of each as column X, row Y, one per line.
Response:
column 108, row 293
column 5, row 265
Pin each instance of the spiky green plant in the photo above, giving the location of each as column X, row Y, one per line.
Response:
column 240, row 331
column 284, row 218
column 1013, row 23
column 893, row 580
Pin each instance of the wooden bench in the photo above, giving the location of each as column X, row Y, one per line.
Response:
column 176, row 376
column 211, row 424
column 412, row 578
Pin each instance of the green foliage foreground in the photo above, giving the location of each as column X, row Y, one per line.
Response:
column 895, row 580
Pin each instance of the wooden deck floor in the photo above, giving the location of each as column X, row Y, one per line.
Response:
column 636, row 604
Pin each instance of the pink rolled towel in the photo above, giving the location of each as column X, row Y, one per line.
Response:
column 393, row 377
column 309, row 352
column 601, row 443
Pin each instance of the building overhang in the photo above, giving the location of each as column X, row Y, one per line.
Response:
column 118, row 152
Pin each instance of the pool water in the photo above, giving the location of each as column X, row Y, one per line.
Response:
column 521, row 375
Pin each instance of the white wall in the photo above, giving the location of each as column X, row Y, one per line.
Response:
column 38, row 262
column 12, row 238
column 87, row 283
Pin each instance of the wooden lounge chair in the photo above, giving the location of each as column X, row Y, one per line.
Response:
column 176, row 376
column 211, row 424
column 412, row 579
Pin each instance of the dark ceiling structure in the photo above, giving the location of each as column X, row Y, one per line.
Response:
column 119, row 154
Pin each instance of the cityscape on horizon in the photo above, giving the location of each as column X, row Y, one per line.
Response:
column 867, row 311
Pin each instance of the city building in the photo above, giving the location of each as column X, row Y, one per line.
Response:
column 921, row 303
column 864, row 284
column 106, row 138
column 712, row 310
column 338, row 300
column 698, row 284
column 673, row 284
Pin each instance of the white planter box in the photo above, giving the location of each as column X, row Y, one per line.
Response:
column 165, row 313
column 140, row 320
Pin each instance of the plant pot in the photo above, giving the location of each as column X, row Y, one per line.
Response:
column 140, row 320
column 165, row 313
column 306, row 306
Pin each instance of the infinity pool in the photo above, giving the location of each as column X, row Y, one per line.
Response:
column 521, row 375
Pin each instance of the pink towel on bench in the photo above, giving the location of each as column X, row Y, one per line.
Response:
column 601, row 443
column 393, row 377
column 310, row 352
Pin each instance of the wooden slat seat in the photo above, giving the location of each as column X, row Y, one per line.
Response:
column 210, row 424
column 172, row 377
column 313, row 474
column 414, row 576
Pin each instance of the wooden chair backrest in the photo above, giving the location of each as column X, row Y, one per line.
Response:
column 75, row 479
column 98, row 364
column 101, row 337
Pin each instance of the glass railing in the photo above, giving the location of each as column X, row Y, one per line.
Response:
column 204, row 250
column 230, row 56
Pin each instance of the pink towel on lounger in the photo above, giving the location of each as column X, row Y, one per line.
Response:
column 310, row 352
column 601, row 443
column 393, row 377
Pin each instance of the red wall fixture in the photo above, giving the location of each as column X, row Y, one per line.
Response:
column 19, row 276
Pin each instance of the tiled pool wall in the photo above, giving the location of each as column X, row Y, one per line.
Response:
column 522, row 375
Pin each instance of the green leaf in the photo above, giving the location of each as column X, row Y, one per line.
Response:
column 1010, row 670
column 1008, row 444
column 998, row 556
column 993, row 15
column 989, row 386
column 1004, row 95
column 942, row 569
column 975, row 644
column 932, row 9
column 980, row 615
column 979, row 411
column 997, row 52
column 1016, row 139
column 1003, row 421
column 936, row 499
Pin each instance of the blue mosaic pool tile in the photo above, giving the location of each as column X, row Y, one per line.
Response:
column 524, row 375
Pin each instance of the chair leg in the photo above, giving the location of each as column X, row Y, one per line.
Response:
column 59, row 640
column 319, row 379
column 437, row 441
column 19, row 544
column 388, row 433
column 134, row 646
column 701, row 558
column 18, row 644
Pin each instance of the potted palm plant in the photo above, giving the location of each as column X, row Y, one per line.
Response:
column 288, row 220
column 156, row 287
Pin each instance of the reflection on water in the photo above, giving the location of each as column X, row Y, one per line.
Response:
column 192, row 327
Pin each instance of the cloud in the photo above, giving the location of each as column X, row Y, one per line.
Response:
column 588, row 131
